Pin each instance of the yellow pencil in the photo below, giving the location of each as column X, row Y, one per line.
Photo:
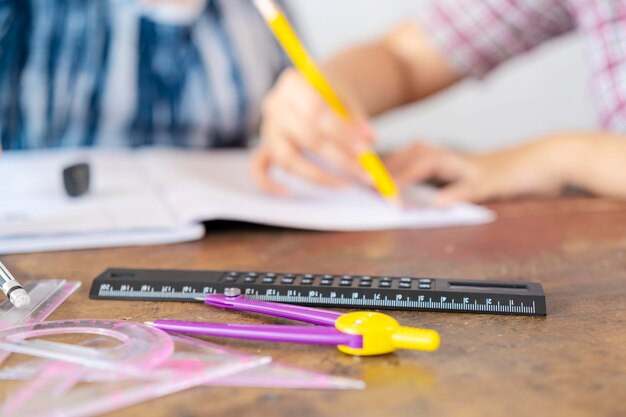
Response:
column 301, row 59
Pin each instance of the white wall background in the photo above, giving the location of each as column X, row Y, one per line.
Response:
column 542, row 92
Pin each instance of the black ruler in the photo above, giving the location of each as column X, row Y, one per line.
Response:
column 352, row 291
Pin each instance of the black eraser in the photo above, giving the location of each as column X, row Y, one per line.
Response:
column 76, row 179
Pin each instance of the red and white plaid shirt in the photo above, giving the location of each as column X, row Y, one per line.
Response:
column 477, row 35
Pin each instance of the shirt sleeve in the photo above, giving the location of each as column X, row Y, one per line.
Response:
column 478, row 35
column 603, row 24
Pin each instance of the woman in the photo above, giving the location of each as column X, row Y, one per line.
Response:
column 132, row 72
column 451, row 40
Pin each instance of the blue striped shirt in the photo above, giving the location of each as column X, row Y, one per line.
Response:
column 132, row 72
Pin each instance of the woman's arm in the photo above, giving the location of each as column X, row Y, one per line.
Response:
column 397, row 69
column 594, row 162
column 599, row 164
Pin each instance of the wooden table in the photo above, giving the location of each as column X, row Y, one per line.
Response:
column 571, row 363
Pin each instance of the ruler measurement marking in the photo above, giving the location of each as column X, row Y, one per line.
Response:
column 432, row 305
column 441, row 295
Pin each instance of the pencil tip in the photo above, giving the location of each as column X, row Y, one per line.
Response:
column 149, row 323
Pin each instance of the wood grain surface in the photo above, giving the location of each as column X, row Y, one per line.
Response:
column 570, row 363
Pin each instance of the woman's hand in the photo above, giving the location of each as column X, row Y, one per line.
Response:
column 398, row 68
column 538, row 168
column 297, row 125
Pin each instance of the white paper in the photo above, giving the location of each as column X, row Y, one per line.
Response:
column 218, row 185
column 46, row 243
column 162, row 195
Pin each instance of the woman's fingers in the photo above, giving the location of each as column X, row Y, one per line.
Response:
column 298, row 124
column 464, row 190
column 261, row 170
column 418, row 163
column 282, row 152
column 339, row 155
column 291, row 160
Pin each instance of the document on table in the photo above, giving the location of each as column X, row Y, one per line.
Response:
column 162, row 195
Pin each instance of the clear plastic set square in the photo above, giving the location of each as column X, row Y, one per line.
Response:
column 87, row 367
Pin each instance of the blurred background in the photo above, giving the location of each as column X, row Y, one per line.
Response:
column 544, row 91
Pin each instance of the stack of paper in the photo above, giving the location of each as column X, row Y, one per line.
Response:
column 158, row 195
